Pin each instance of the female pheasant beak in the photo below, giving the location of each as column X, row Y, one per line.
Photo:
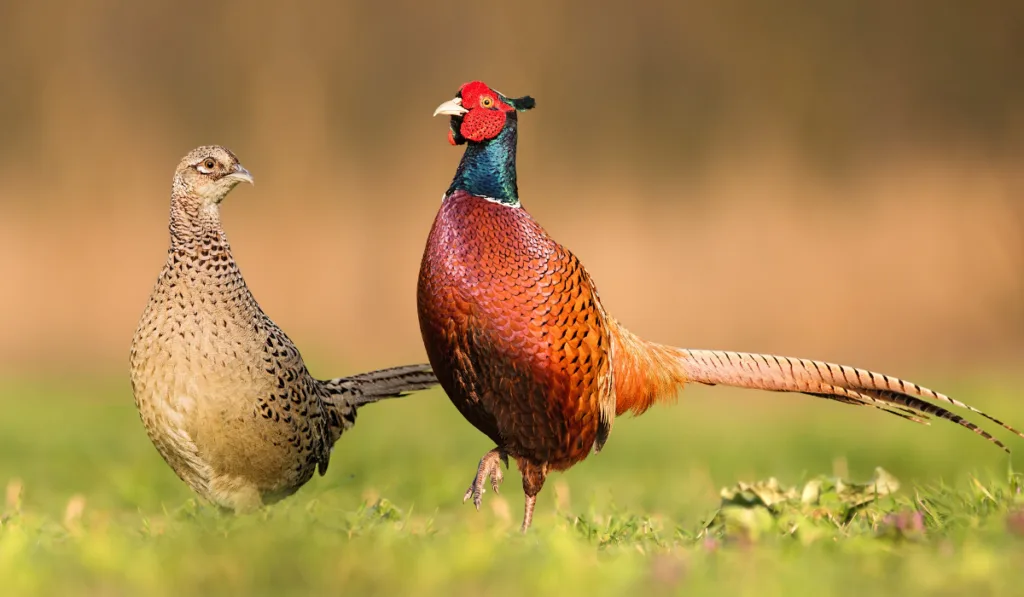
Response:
column 240, row 174
column 451, row 107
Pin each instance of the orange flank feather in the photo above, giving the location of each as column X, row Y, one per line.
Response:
column 645, row 372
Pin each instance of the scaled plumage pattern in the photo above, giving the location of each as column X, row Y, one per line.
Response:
column 222, row 391
column 517, row 335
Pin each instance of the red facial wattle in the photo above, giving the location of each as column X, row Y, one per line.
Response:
column 480, row 124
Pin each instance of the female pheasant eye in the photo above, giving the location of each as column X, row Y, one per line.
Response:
column 209, row 164
column 486, row 101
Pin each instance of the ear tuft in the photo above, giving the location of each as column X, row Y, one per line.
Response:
column 523, row 103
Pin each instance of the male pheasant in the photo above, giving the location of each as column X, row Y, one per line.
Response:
column 222, row 391
column 517, row 335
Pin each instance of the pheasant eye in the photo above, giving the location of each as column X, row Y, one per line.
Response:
column 486, row 101
column 209, row 164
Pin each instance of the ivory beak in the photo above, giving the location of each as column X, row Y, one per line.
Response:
column 451, row 107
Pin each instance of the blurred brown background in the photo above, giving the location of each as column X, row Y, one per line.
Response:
column 841, row 180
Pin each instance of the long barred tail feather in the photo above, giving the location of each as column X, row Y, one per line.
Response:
column 786, row 374
column 903, row 413
column 646, row 373
column 395, row 382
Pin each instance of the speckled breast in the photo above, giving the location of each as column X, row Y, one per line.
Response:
column 513, row 329
column 223, row 392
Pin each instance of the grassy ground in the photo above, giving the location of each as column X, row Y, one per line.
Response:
column 91, row 509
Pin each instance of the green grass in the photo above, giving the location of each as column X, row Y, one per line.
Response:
column 91, row 509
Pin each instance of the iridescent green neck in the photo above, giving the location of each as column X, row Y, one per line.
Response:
column 488, row 169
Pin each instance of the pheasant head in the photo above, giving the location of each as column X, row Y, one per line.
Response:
column 203, row 178
column 207, row 174
column 485, row 120
column 479, row 113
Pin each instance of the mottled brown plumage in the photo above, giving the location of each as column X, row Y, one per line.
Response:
column 223, row 393
column 515, row 330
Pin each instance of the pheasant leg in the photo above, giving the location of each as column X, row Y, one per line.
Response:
column 531, row 501
column 490, row 467
column 534, row 475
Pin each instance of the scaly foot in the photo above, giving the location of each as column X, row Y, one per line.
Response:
column 531, row 502
column 490, row 466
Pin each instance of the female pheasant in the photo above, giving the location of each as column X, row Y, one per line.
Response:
column 224, row 394
column 517, row 336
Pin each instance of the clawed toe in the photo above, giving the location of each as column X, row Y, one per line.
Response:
column 489, row 468
column 476, row 492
